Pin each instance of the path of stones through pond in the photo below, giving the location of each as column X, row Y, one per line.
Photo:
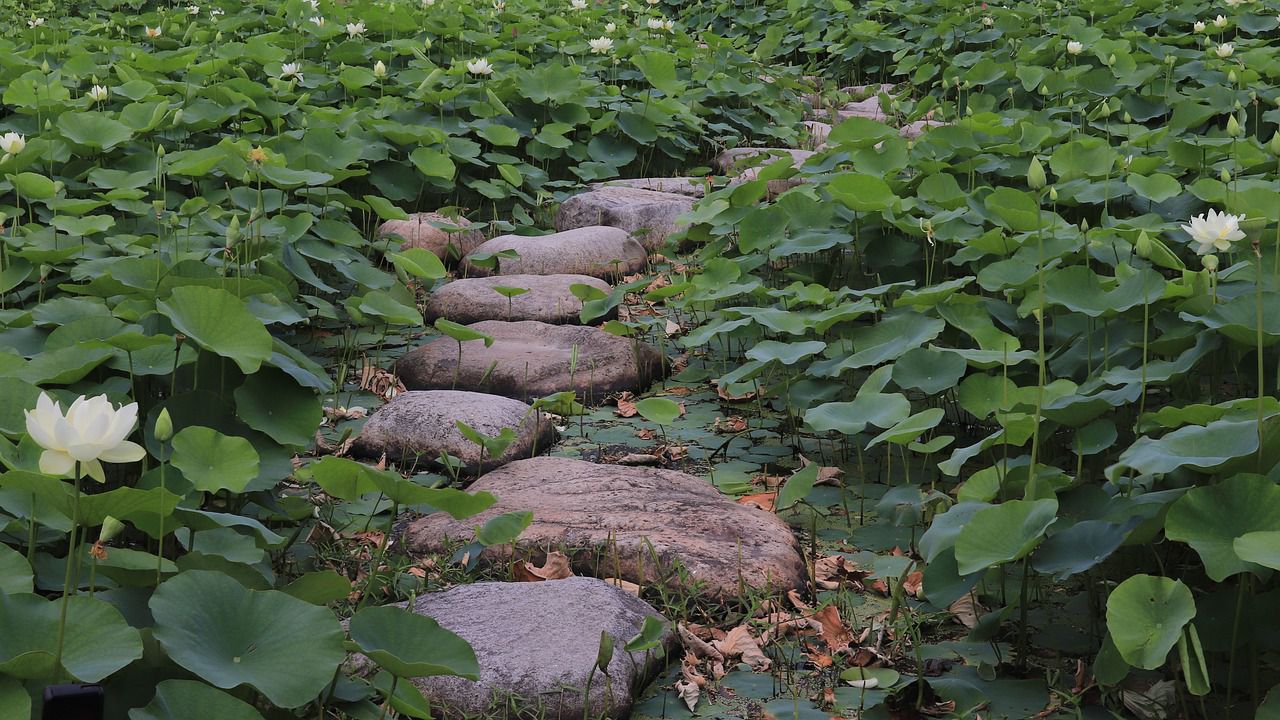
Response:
column 621, row 528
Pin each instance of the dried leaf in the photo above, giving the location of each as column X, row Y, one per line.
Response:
column 639, row 459
column 967, row 610
column 379, row 382
column 689, row 693
column 680, row 390
column 834, row 571
column 764, row 500
column 826, row 475
column 672, row 328
column 626, row 405
column 556, row 567
column 739, row 642
column 833, row 632
column 912, row 584
column 646, row 433
column 724, row 395
column 731, row 424
column 630, row 587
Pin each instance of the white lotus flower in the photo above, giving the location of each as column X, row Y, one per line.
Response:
column 92, row 432
column 669, row 25
column 354, row 29
column 315, row 5
column 1074, row 47
column 600, row 45
column 154, row 32
column 1225, row 50
column 610, row 27
column 1199, row 26
column 578, row 4
column 1215, row 231
column 480, row 66
column 289, row 70
column 428, row 3
column 35, row 22
column 499, row 6
column 1220, row 21
column 655, row 23
column 379, row 69
column 98, row 93
column 217, row 12
column 988, row 21
column 1233, row 3
column 193, row 9
column 318, row 21
column 12, row 143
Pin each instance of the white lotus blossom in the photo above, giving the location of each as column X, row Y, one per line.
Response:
column 193, row 9
column 480, row 66
column 153, row 32
column 669, row 25
column 1199, row 26
column 1225, row 50
column 1075, row 47
column 289, row 70
column 499, row 6
column 12, row 143
column 610, row 27
column 318, row 21
column 379, row 69
column 315, row 5
column 92, row 432
column 655, row 23
column 98, row 93
column 601, row 45
column 578, row 4
column 1215, row 231
column 988, row 21
column 1220, row 21
column 428, row 3
column 217, row 12
column 354, row 29
column 1233, row 3
column 35, row 22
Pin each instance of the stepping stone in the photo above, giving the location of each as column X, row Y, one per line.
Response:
column 726, row 160
column 649, row 215
column 868, row 108
column 536, row 644
column 694, row 187
column 531, row 359
column 818, row 132
column 613, row 520
column 549, row 299
column 913, row 130
column 864, row 89
column 597, row 251
column 421, row 231
column 419, row 425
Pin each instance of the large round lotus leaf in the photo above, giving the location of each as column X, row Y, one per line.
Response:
column 271, row 402
column 1080, row 547
column 1262, row 548
column 191, row 700
column 929, row 370
column 658, row 410
column 213, row 461
column 1210, row 518
column 409, row 645
column 97, row 642
column 15, row 572
column 1003, row 533
column 228, row 635
column 220, row 323
column 1145, row 615
column 15, row 703
column 946, row 527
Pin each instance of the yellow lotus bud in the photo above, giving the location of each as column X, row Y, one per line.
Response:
column 1035, row 174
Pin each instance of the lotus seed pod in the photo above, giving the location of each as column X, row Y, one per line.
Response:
column 1143, row 245
column 164, row 426
column 111, row 527
column 1035, row 174
column 1210, row 262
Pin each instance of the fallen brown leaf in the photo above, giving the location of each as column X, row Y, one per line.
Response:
column 967, row 610
column 556, row 567
column 764, row 500
column 379, row 382
column 639, row 459
column 626, row 405
column 833, row 632
column 739, row 642
column 630, row 587
column 724, row 395
column 833, row 571
column 913, row 582
column 731, row 424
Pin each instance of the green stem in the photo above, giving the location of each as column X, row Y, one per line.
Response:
column 394, row 679
column 1257, row 250
column 67, row 579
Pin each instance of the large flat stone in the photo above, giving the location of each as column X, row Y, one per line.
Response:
column 530, row 359
column 549, row 299
column 418, row 425
column 442, row 235
column 649, row 215
column 536, row 644
column 694, row 187
column 633, row 523
column 598, row 251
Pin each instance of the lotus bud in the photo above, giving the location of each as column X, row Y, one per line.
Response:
column 164, row 424
column 1225, row 175
column 1111, row 59
column 233, row 231
column 1210, row 262
column 45, row 271
column 1231, row 77
column 160, row 151
column 427, row 44
column 1084, row 225
column 1053, row 193
column 48, row 125
column 1233, row 127
column 1170, row 59
column 1044, row 89
column 44, row 67
column 177, row 117
column 379, row 69
column 1274, row 145
column 1035, row 174
column 1128, row 119
column 1143, row 245
column 217, row 37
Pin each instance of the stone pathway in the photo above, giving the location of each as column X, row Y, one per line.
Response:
column 547, row 298
column 537, row 642
column 638, row 524
column 527, row 360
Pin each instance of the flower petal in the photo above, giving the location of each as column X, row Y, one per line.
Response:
column 56, row 463
column 122, row 453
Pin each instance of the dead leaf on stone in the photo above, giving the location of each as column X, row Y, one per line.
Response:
column 739, row 642
column 630, row 587
column 679, row 390
column 764, row 501
column 833, row 571
column 626, row 405
column 556, row 567
column 646, row 433
column 639, row 459
column 967, row 610
column 833, row 632
column 731, row 424
column 671, row 453
column 379, row 382
column 355, row 412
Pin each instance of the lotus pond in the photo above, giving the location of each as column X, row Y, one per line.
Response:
column 1011, row 377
